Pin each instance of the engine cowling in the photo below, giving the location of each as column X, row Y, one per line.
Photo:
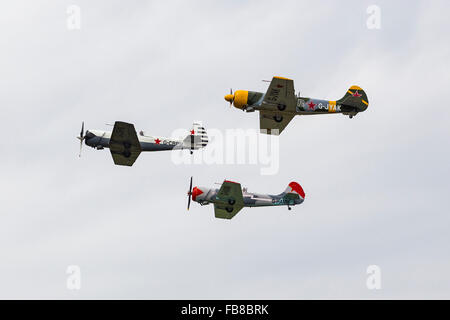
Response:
column 243, row 98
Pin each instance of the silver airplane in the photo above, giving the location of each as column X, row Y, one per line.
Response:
column 126, row 145
column 230, row 198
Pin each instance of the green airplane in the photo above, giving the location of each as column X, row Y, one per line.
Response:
column 279, row 104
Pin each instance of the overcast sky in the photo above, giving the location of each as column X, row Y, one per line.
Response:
column 377, row 186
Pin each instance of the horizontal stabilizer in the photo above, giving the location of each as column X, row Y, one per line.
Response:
column 295, row 189
column 197, row 137
column 355, row 97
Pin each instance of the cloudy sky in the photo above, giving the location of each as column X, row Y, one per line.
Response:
column 376, row 186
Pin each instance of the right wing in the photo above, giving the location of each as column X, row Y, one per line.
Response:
column 272, row 120
column 221, row 212
column 229, row 200
column 280, row 95
column 124, row 144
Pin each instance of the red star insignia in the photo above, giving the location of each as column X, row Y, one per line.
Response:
column 192, row 131
column 311, row 105
column 157, row 141
column 279, row 86
column 356, row 94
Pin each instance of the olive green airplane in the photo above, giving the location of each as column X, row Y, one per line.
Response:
column 279, row 104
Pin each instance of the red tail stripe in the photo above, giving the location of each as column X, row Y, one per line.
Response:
column 297, row 188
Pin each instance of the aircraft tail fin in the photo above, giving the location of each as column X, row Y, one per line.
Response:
column 355, row 97
column 294, row 190
column 197, row 137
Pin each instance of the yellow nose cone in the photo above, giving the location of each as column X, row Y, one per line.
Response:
column 229, row 97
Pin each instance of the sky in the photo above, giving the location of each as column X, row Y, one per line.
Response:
column 376, row 186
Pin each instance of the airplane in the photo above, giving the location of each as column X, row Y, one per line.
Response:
column 230, row 198
column 279, row 104
column 126, row 145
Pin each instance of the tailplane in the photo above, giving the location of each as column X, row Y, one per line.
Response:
column 355, row 98
column 294, row 191
column 197, row 137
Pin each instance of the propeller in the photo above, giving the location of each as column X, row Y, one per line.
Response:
column 230, row 97
column 231, row 92
column 232, row 100
column 81, row 137
column 189, row 194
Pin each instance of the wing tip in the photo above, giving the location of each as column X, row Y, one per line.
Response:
column 231, row 181
column 281, row 78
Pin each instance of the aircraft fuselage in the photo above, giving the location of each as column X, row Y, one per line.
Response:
column 205, row 196
column 100, row 139
column 304, row 106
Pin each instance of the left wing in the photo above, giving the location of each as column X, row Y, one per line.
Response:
column 124, row 144
column 280, row 95
column 272, row 120
column 229, row 200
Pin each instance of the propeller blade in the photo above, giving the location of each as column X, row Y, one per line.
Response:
column 81, row 146
column 189, row 195
column 231, row 101
column 81, row 137
column 82, row 130
column 189, row 202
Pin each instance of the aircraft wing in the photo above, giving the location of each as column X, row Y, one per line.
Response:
column 221, row 212
column 229, row 200
column 270, row 120
column 280, row 95
column 124, row 144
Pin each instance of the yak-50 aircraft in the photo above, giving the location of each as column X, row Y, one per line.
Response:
column 230, row 198
column 126, row 145
column 279, row 104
